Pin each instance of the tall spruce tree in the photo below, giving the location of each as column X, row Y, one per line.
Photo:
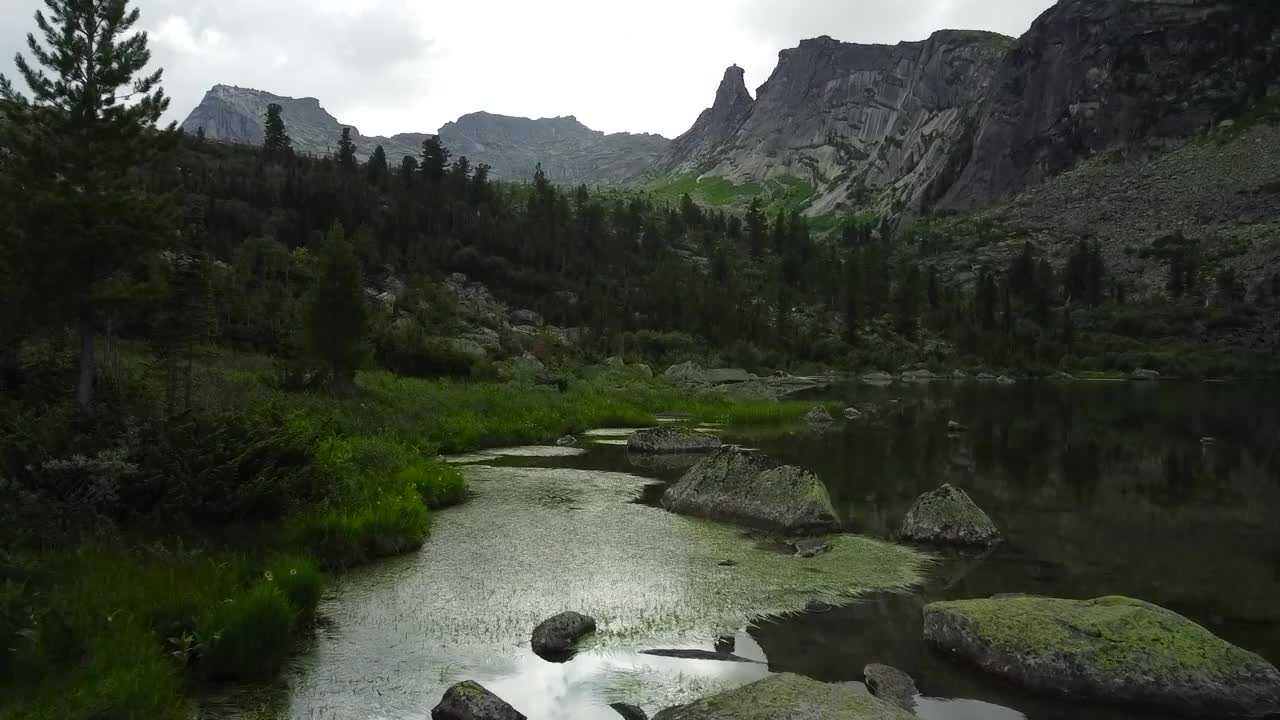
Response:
column 89, row 120
column 347, row 151
column 377, row 168
column 336, row 322
column 435, row 159
column 276, row 142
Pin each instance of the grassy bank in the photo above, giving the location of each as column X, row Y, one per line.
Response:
column 247, row 503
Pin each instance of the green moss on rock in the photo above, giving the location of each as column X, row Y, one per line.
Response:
column 1112, row 649
column 787, row 697
column 948, row 516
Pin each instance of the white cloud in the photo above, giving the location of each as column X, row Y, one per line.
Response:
column 403, row 65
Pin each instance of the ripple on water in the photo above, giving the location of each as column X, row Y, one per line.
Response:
column 526, row 451
column 534, row 542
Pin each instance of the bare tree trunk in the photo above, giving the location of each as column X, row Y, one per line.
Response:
column 88, row 365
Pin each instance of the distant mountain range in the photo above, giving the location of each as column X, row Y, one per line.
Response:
column 569, row 151
column 961, row 119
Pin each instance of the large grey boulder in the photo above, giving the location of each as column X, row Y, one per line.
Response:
column 555, row 637
column 471, row 701
column 687, row 373
column 750, row 391
column 1112, row 649
column 721, row 376
column 468, row 348
column 947, row 516
column 527, row 318
column 751, row 489
column 787, row 697
column 819, row 415
column 891, row 685
column 671, row 440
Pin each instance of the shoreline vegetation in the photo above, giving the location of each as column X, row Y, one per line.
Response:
column 120, row 615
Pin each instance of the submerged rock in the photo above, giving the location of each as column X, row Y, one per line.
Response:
column 948, row 516
column 471, row 701
column 567, row 441
column 877, row 378
column 787, row 697
column 556, row 636
column 671, row 440
column 1112, row 649
column 684, row 654
column 1143, row 374
column 629, row 712
column 755, row 490
column 891, row 685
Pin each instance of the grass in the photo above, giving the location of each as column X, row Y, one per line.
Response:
column 781, row 193
column 124, row 624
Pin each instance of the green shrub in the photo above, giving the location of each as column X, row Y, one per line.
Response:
column 300, row 581
column 390, row 525
column 248, row 635
column 439, row 485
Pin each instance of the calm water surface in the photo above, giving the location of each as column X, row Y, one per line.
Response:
column 1100, row 488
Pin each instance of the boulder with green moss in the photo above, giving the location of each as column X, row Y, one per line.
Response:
column 947, row 516
column 787, row 697
column 671, row 440
column 469, row 700
column 753, row 489
column 1113, row 649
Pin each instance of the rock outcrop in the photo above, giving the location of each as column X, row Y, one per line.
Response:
column 1113, row 649
column 947, row 516
column 752, row 489
column 671, row 440
column 555, row 637
column 787, row 696
column 1091, row 74
column 570, row 152
column 471, row 701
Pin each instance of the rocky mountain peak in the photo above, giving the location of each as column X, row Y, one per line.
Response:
column 733, row 88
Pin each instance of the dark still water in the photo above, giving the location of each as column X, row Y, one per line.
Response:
column 1165, row 492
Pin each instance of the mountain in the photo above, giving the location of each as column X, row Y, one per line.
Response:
column 570, row 152
column 850, row 120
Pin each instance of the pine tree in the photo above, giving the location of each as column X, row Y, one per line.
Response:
column 183, row 321
column 89, row 121
column 435, row 160
column 377, row 169
column 481, row 192
column 757, row 227
column 336, row 318
column 347, row 152
column 276, row 143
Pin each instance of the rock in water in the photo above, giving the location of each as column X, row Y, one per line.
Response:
column 947, row 516
column 819, row 415
column 555, row 637
column 891, row 685
column 879, row 378
column 1143, row 374
column 753, row 489
column 629, row 712
column 671, row 440
column 787, row 697
column 852, row 413
column 1113, row 649
column 470, row 701
column 567, row 441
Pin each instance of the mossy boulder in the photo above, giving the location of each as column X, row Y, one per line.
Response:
column 555, row 637
column 947, row 516
column 671, row 440
column 891, row 685
column 469, row 700
column 1112, row 649
column 752, row 489
column 787, row 697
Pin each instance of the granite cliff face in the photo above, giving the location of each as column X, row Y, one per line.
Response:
column 1094, row 74
column 862, row 124
column 569, row 151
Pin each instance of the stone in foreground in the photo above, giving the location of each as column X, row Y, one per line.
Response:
column 671, row 440
column 787, row 697
column 1113, row 649
column 751, row 489
column 947, row 516
column 555, row 637
column 891, row 685
column 470, row 701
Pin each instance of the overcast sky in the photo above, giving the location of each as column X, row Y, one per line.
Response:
column 389, row 66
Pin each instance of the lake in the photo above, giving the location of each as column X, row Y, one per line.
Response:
column 1161, row 491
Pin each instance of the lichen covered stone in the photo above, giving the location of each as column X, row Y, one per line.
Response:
column 753, row 489
column 947, row 516
column 672, row 440
column 1112, row 649
column 469, row 700
column 555, row 637
column 787, row 697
